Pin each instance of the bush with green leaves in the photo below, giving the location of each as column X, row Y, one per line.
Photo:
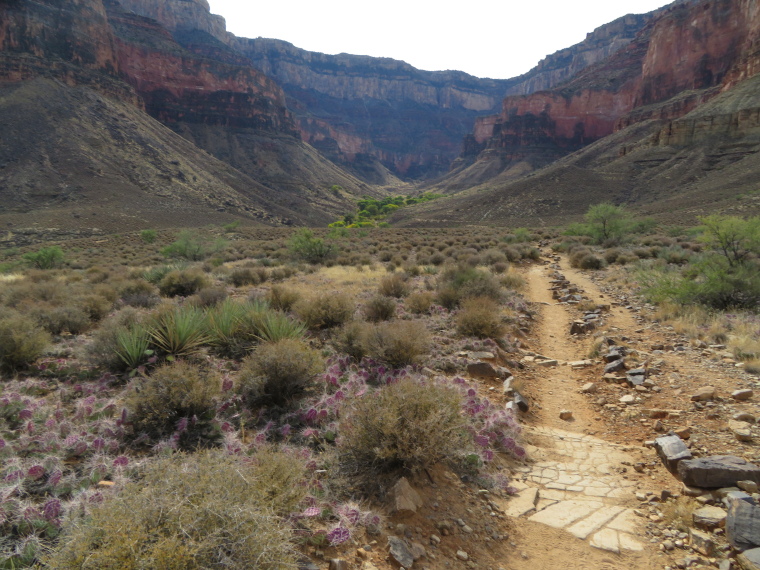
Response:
column 148, row 236
column 192, row 248
column 406, row 426
column 463, row 282
column 311, row 249
column 202, row 510
column 398, row 343
column 21, row 342
column 179, row 400
column 276, row 371
column 46, row 257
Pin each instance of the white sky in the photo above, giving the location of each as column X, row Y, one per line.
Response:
column 499, row 39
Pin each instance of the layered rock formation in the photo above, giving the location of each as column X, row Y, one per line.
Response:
column 564, row 64
column 690, row 51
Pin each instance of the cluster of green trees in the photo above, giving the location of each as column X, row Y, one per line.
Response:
column 371, row 211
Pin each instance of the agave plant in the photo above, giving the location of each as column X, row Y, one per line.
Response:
column 273, row 326
column 133, row 346
column 180, row 331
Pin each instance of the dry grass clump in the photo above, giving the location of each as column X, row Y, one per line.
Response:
column 21, row 342
column 480, row 317
column 680, row 513
column 281, row 298
column 182, row 283
column 206, row 510
column 406, row 426
column 241, row 276
column 276, row 371
column 419, row 302
column 394, row 285
column 348, row 339
column 380, row 308
column 326, row 310
column 513, row 280
column 398, row 343
column 176, row 399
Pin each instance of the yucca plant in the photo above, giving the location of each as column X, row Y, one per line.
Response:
column 273, row 326
column 230, row 329
column 180, row 331
column 132, row 346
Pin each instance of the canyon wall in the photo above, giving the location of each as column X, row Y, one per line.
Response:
column 564, row 64
column 683, row 56
column 194, row 83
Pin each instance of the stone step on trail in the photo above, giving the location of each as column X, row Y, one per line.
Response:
column 571, row 485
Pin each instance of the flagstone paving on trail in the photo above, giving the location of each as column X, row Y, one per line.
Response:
column 572, row 485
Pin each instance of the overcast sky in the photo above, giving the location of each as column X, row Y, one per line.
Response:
column 498, row 39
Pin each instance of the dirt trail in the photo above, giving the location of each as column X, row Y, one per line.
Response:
column 573, row 498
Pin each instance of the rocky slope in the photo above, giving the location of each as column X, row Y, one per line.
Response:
column 188, row 80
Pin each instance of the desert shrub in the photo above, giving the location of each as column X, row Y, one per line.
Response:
column 241, row 276
column 138, row 293
column 419, row 302
column 205, row 510
column 462, row 282
column 276, row 371
column 155, row 274
column 325, row 311
column 190, row 247
column 45, row 258
column 148, row 236
column 21, row 342
column 513, row 281
column 304, row 245
column 380, row 308
column 394, row 285
column 96, row 305
column 209, row 297
column 405, row 426
column 349, row 339
column 675, row 255
column 182, row 283
column 611, row 255
column 583, row 258
column 177, row 399
column 500, row 267
column 179, row 331
column 480, row 317
column 282, row 298
column 104, row 349
column 67, row 318
column 398, row 343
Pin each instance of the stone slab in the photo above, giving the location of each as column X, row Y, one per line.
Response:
column 594, row 521
column 564, row 513
column 717, row 471
column 522, row 503
column 606, row 539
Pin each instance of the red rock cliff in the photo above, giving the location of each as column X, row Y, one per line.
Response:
column 70, row 41
column 198, row 82
column 699, row 45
